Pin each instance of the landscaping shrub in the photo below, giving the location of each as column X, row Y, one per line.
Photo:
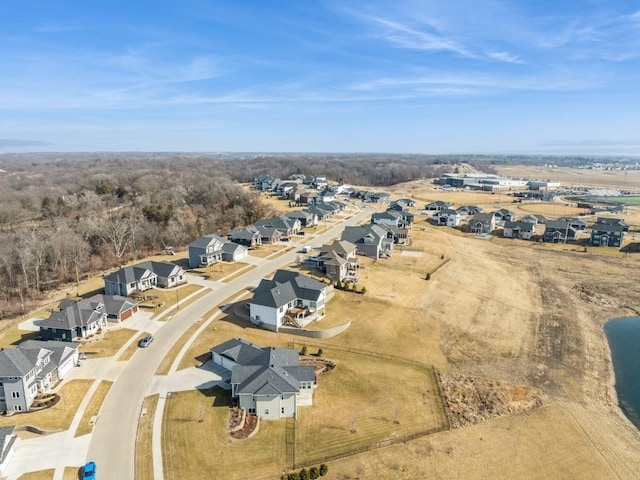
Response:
column 319, row 354
column 324, row 469
column 314, row 473
column 363, row 290
column 428, row 277
column 304, row 350
column 304, row 474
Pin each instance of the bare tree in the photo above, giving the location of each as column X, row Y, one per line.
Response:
column 117, row 232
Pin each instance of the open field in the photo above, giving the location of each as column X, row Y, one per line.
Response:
column 93, row 408
column 109, row 344
column 59, row 416
column 629, row 179
column 144, row 457
column 354, row 408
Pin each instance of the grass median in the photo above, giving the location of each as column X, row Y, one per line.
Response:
column 93, row 408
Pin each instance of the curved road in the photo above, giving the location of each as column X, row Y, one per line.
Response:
column 112, row 444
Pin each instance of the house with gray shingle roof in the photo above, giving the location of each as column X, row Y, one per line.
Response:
column 288, row 298
column 248, row 237
column 558, row 231
column 210, row 249
column 286, row 225
column 437, row 206
column 447, row 217
column 607, row 234
column 33, row 367
column 267, row 381
column 482, row 223
column 143, row 276
column 306, row 218
column 370, row 240
column 338, row 260
column 524, row 230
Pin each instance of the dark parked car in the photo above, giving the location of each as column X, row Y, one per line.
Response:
column 146, row 341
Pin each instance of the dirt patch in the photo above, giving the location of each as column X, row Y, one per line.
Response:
column 248, row 428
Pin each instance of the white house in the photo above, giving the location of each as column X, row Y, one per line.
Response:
column 143, row 276
column 31, row 368
column 289, row 298
column 267, row 381
column 448, row 217
column 524, row 230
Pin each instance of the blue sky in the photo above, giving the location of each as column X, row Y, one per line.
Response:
column 423, row 76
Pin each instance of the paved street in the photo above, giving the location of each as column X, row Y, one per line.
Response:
column 112, row 443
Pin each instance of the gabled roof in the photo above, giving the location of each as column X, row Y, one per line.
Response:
column 265, row 231
column 264, row 371
column 356, row 234
column 574, row 220
column 281, row 223
column 305, row 214
column 248, row 233
column 607, row 227
column 559, row 225
column 207, row 240
column 230, row 247
column 503, row 211
column 14, row 363
column 439, row 203
column 611, row 221
column 448, row 211
column 482, row 217
column 469, row 208
column 83, row 313
column 524, row 226
column 60, row 351
column 239, row 350
column 285, row 287
column 340, row 247
column 135, row 273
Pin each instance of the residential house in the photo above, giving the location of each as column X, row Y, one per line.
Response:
column 505, row 215
column 373, row 197
column 575, row 223
column 247, row 237
column 33, row 367
column 447, row 217
column 437, row 206
column 205, row 251
column 338, row 260
column 117, row 308
column 541, row 219
column 558, row 231
column 288, row 298
column 321, row 211
column 305, row 217
column 399, row 206
column 524, row 230
column 390, row 217
column 607, row 234
column 370, row 240
column 287, row 189
column 265, row 183
column 269, row 235
column 613, row 221
column 77, row 319
column 287, row 226
column 308, row 197
column 143, row 276
column 465, row 210
column 396, row 234
column 409, row 202
column 7, row 442
column 234, row 252
column 482, row 223
column 266, row 381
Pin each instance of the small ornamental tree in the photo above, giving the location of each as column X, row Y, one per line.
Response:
column 304, row 474
column 304, row 350
column 428, row 277
column 314, row 473
column 363, row 290
column 323, row 469
column 319, row 352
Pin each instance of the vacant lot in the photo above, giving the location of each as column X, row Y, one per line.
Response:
column 219, row 270
column 629, row 179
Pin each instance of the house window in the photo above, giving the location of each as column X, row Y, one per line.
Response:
column 252, row 411
column 281, row 309
column 266, row 411
column 282, row 410
column 258, row 318
column 18, row 408
column 15, row 394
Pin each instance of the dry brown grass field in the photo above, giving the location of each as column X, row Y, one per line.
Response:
column 59, row 416
column 109, row 344
column 629, row 179
column 39, row 475
column 219, row 270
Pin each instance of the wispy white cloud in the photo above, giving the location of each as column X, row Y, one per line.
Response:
column 505, row 57
column 409, row 37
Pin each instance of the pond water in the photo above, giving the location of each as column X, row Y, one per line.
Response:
column 623, row 335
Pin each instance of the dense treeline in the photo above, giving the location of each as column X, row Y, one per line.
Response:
column 64, row 218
